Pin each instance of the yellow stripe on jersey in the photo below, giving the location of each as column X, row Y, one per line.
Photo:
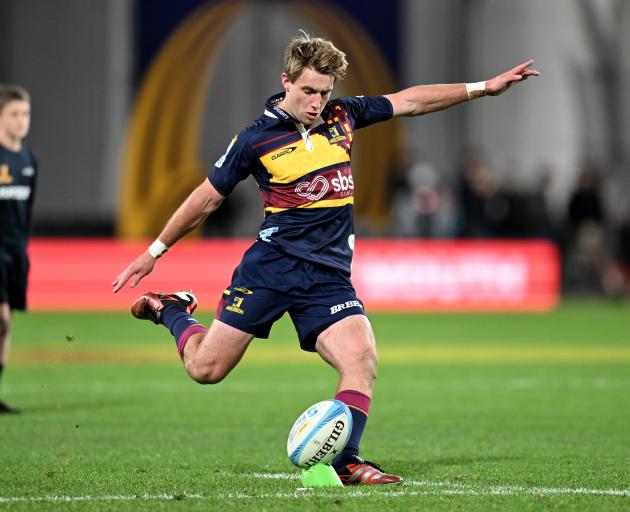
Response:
column 287, row 166
column 327, row 203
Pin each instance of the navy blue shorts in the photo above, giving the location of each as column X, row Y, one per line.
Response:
column 14, row 266
column 268, row 283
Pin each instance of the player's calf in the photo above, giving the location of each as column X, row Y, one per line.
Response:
column 210, row 359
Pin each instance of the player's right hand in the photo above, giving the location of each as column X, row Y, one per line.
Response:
column 504, row 81
column 139, row 268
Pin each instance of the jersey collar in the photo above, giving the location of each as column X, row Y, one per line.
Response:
column 273, row 110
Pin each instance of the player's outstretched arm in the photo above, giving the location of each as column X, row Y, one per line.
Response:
column 423, row 99
column 198, row 205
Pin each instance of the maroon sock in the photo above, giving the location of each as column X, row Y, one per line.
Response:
column 185, row 336
column 359, row 405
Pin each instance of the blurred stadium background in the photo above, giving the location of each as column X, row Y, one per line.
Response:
column 134, row 99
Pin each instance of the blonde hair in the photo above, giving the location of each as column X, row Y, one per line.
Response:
column 10, row 92
column 319, row 54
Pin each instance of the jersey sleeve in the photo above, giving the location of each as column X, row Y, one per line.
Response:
column 233, row 166
column 367, row 110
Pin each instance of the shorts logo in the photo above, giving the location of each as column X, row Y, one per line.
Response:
column 235, row 307
column 345, row 305
column 283, row 152
column 246, row 291
column 313, row 190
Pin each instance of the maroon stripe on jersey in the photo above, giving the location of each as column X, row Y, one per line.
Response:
column 277, row 148
column 333, row 183
column 294, row 134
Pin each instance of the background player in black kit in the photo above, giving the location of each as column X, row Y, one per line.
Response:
column 18, row 172
column 298, row 152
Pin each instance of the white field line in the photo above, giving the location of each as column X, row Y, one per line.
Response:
column 411, row 488
column 139, row 497
column 274, row 476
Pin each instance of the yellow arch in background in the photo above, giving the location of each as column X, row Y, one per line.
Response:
column 162, row 163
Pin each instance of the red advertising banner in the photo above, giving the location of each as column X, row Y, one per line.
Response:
column 389, row 275
column 457, row 275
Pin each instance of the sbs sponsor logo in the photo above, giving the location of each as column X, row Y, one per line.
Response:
column 342, row 183
column 317, row 187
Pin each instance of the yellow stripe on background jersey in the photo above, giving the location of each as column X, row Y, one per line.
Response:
column 287, row 166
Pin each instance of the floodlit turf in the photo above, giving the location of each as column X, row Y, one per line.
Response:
column 477, row 412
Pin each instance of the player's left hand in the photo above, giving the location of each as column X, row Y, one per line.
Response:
column 504, row 81
column 139, row 268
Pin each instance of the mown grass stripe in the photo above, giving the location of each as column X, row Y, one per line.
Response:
column 388, row 353
column 155, row 386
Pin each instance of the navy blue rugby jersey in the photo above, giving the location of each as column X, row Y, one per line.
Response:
column 304, row 176
column 18, row 171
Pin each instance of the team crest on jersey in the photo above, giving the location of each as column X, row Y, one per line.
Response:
column 335, row 136
column 5, row 175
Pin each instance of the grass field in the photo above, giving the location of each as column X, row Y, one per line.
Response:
column 477, row 412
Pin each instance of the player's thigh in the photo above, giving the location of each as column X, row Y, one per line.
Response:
column 5, row 319
column 5, row 308
column 5, row 273
column 348, row 343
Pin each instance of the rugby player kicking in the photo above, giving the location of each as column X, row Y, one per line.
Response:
column 298, row 151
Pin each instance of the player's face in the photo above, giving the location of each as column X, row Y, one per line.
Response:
column 307, row 96
column 15, row 119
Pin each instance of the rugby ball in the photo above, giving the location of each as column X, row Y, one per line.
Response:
column 319, row 434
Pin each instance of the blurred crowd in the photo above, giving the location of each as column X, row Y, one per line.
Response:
column 595, row 247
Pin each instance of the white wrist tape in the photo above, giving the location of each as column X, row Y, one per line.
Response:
column 157, row 248
column 476, row 90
